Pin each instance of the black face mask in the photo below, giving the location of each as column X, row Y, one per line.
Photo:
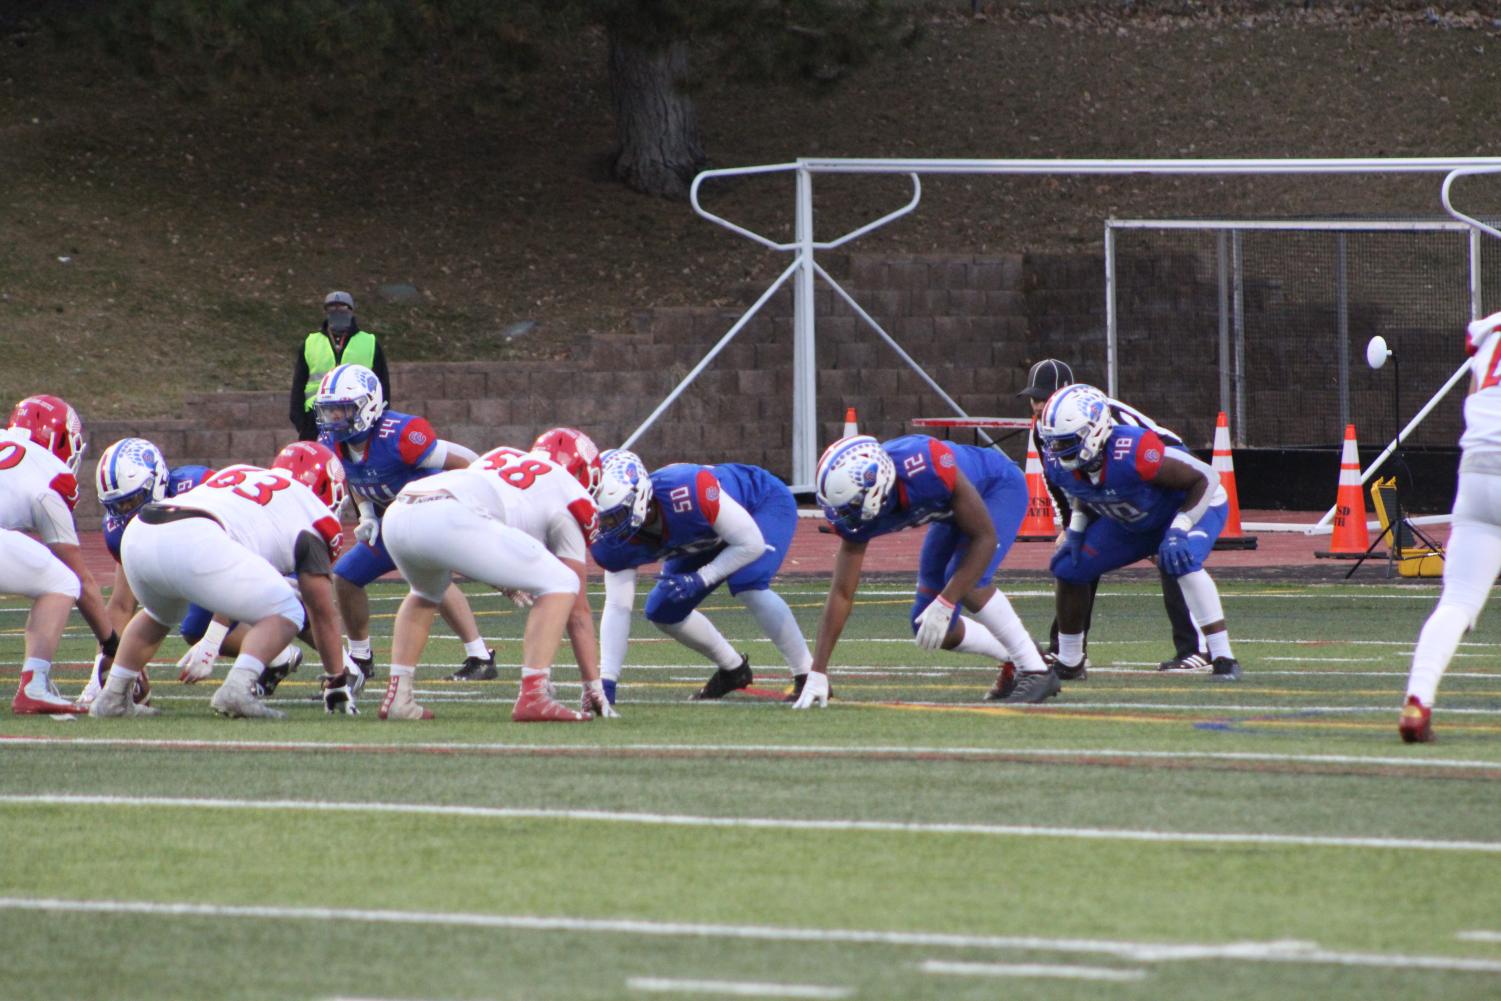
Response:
column 340, row 322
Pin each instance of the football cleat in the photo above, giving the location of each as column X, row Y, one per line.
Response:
column 477, row 669
column 1078, row 672
column 273, row 676
column 35, row 696
column 366, row 667
column 1194, row 663
column 114, row 704
column 1416, row 722
column 535, row 704
column 1033, row 687
column 722, row 682
column 399, row 702
column 1005, row 683
column 236, row 699
column 1225, row 669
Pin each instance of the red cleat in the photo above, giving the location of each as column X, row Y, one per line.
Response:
column 1005, row 683
column 534, row 705
column 35, row 698
column 1416, row 722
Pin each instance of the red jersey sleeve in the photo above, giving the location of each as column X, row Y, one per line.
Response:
column 66, row 487
column 587, row 516
column 333, row 534
column 945, row 465
column 706, row 486
column 1149, row 453
column 417, row 439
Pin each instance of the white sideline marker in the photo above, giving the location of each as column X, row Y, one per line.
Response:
column 735, row 988
column 1147, row 952
column 763, row 823
column 1030, row 970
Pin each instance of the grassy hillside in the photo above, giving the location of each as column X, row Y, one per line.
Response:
column 157, row 244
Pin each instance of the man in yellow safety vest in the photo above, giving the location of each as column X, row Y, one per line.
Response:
column 339, row 341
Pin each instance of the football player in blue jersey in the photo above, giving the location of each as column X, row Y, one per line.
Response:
column 1131, row 496
column 382, row 451
column 707, row 525
column 975, row 499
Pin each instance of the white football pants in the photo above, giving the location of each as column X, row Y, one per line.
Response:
column 435, row 538
column 28, row 568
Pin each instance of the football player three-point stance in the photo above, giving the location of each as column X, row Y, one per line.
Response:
column 382, row 451
column 1131, row 496
column 975, row 499
column 1473, row 557
column 229, row 545
column 707, row 525
column 40, row 450
column 522, row 524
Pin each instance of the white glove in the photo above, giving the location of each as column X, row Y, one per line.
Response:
column 519, row 598
column 368, row 530
column 933, row 623
column 595, row 701
column 198, row 662
column 815, row 692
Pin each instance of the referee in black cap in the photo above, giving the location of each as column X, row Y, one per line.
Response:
column 1043, row 380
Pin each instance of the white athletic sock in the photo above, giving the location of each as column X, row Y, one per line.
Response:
column 779, row 625
column 1071, row 648
column 697, row 633
column 1001, row 619
column 1219, row 644
column 976, row 639
column 40, row 669
column 285, row 657
column 477, row 648
column 360, row 648
column 123, row 673
column 1436, row 645
column 532, row 672
column 402, row 671
column 246, row 665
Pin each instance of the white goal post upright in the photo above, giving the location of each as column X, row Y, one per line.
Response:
column 805, row 246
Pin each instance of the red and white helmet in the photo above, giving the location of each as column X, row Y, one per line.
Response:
column 574, row 451
column 52, row 424
column 317, row 468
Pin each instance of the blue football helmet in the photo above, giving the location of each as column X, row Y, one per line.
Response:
column 623, row 496
column 854, row 481
column 348, row 403
column 1074, row 426
column 131, row 474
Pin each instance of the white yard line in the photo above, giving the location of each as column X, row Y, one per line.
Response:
column 759, row 823
column 735, row 988
column 1479, row 936
column 1149, row 952
column 811, row 750
column 1030, row 970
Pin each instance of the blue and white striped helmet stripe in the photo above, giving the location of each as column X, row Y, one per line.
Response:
column 1050, row 413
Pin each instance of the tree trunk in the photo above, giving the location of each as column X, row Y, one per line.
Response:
column 656, row 122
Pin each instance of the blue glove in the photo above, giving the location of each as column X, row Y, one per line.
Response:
column 1173, row 555
column 1073, row 544
column 682, row 587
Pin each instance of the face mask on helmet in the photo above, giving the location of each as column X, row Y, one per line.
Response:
column 52, row 424
column 854, row 481
column 348, row 403
column 1074, row 426
column 317, row 468
column 574, row 451
column 130, row 474
column 623, row 496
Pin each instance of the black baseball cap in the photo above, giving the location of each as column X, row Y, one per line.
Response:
column 1046, row 378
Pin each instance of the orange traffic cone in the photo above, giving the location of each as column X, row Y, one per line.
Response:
column 1351, row 540
column 1232, row 537
column 851, row 426
column 1038, row 525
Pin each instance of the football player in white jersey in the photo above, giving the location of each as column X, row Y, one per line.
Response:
column 1473, row 558
column 520, row 523
column 229, row 545
column 39, row 454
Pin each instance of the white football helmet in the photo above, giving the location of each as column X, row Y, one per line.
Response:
column 348, row 403
column 623, row 496
column 1074, row 426
column 854, row 479
column 131, row 474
